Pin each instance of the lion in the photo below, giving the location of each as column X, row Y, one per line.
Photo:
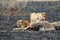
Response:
column 37, row 17
column 22, row 23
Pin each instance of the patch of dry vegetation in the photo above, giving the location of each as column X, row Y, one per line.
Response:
column 12, row 11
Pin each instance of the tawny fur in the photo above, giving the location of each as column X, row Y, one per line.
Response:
column 36, row 17
column 22, row 24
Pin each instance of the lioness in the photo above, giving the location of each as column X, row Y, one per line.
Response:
column 22, row 24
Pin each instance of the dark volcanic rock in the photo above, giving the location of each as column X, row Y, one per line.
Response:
column 30, row 35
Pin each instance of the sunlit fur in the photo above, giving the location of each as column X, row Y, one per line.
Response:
column 36, row 17
column 22, row 24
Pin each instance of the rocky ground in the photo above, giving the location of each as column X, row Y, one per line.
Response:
column 30, row 35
